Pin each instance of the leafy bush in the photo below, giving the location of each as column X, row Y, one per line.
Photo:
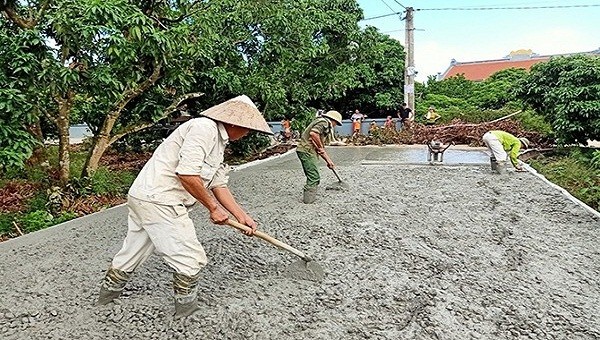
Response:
column 41, row 219
column 111, row 182
column 253, row 142
column 302, row 119
column 37, row 202
column 566, row 90
column 534, row 122
column 572, row 169
column 35, row 220
column 6, row 224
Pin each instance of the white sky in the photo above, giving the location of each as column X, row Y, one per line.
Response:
column 471, row 35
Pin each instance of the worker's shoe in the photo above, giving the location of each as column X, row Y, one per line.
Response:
column 501, row 167
column 310, row 195
column 112, row 285
column 184, row 309
column 186, row 294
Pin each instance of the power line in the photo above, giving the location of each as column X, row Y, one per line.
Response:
column 382, row 16
column 495, row 8
column 396, row 1
column 483, row 8
column 388, row 6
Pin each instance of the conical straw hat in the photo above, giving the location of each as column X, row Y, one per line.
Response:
column 239, row 111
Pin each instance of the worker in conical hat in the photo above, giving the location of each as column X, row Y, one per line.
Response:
column 311, row 145
column 502, row 145
column 185, row 168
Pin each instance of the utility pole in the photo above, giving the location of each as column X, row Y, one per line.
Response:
column 409, row 63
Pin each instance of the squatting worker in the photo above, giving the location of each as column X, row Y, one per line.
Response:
column 184, row 169
column 499, row 143
column 312, row 145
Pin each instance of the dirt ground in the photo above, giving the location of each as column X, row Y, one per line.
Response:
column 410, row 252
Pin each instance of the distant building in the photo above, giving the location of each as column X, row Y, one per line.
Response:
column 481, row 70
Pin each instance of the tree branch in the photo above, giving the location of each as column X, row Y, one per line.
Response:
column 28, row 23
column 139, row 89
column 171, row 108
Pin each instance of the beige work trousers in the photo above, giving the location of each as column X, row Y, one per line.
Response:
column 166, row 230
column 494, row 146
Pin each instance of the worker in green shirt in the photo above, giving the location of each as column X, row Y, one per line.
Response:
column 502, row 144
column 311, row 145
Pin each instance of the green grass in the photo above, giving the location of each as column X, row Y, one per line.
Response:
column 39, row 213
column 575, row 170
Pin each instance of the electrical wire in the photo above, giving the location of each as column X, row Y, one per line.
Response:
column 388, row 6
column 485, row 8
column 503, row 8
column 396, row 1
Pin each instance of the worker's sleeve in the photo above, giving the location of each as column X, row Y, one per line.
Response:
column 514, row 152
column 221, row 177
column 320, row 127
column 198, row 143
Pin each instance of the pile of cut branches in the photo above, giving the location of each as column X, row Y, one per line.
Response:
column 457, row 132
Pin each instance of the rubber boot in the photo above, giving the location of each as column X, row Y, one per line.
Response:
column 501, row 167
column 310, row 195
column 186, row 295
column 112, row 285
column 493, row 164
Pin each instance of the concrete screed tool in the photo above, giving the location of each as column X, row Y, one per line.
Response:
column 339, row 185
column 305, row 269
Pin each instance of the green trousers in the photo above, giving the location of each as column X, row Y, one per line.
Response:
column 311, row 169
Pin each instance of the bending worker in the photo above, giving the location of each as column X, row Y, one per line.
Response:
column 312, row 145
column 185, row 168
column 499, row 143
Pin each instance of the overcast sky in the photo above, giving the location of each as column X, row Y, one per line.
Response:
column 471, row 35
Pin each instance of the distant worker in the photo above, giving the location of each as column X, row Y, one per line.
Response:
column 499, row 143
column 389, row 123
column 431, row 116
column 187, row 167
column 357, row 119
column 287, row 129
column 373, row 127
column 404, row 114
column 311, row 145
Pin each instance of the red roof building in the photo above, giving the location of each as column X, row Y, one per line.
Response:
column 481, row 70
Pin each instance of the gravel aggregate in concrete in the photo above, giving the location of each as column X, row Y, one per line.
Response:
column 409, row 252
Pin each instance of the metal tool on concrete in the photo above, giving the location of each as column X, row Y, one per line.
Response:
column 339, row 185
column 305, row 269
column 436, row 152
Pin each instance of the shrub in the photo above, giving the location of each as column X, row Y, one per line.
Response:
column 111, row 182
column 253, row 142
column 572, row 169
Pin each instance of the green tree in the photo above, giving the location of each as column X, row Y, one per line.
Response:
column 377, row 68
column 21, row 50
column 566, row 90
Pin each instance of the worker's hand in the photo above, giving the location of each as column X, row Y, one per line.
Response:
column 520, row 169
column 330, row 164
column 218, row 215
column 247, row 220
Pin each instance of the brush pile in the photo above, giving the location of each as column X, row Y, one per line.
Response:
column 457, row 132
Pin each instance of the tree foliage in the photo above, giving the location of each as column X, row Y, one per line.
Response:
column 20, row 54
column 566, row 90
column 117, row 65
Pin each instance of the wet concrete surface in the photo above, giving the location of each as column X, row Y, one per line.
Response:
column 409, row 252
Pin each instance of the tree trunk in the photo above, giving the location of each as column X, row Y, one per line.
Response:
column 102, row 140
column 98, row 148
column 64, row 143
column 39, row 155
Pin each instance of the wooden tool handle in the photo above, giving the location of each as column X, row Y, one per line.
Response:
column 269, row 239
column 336, row 175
